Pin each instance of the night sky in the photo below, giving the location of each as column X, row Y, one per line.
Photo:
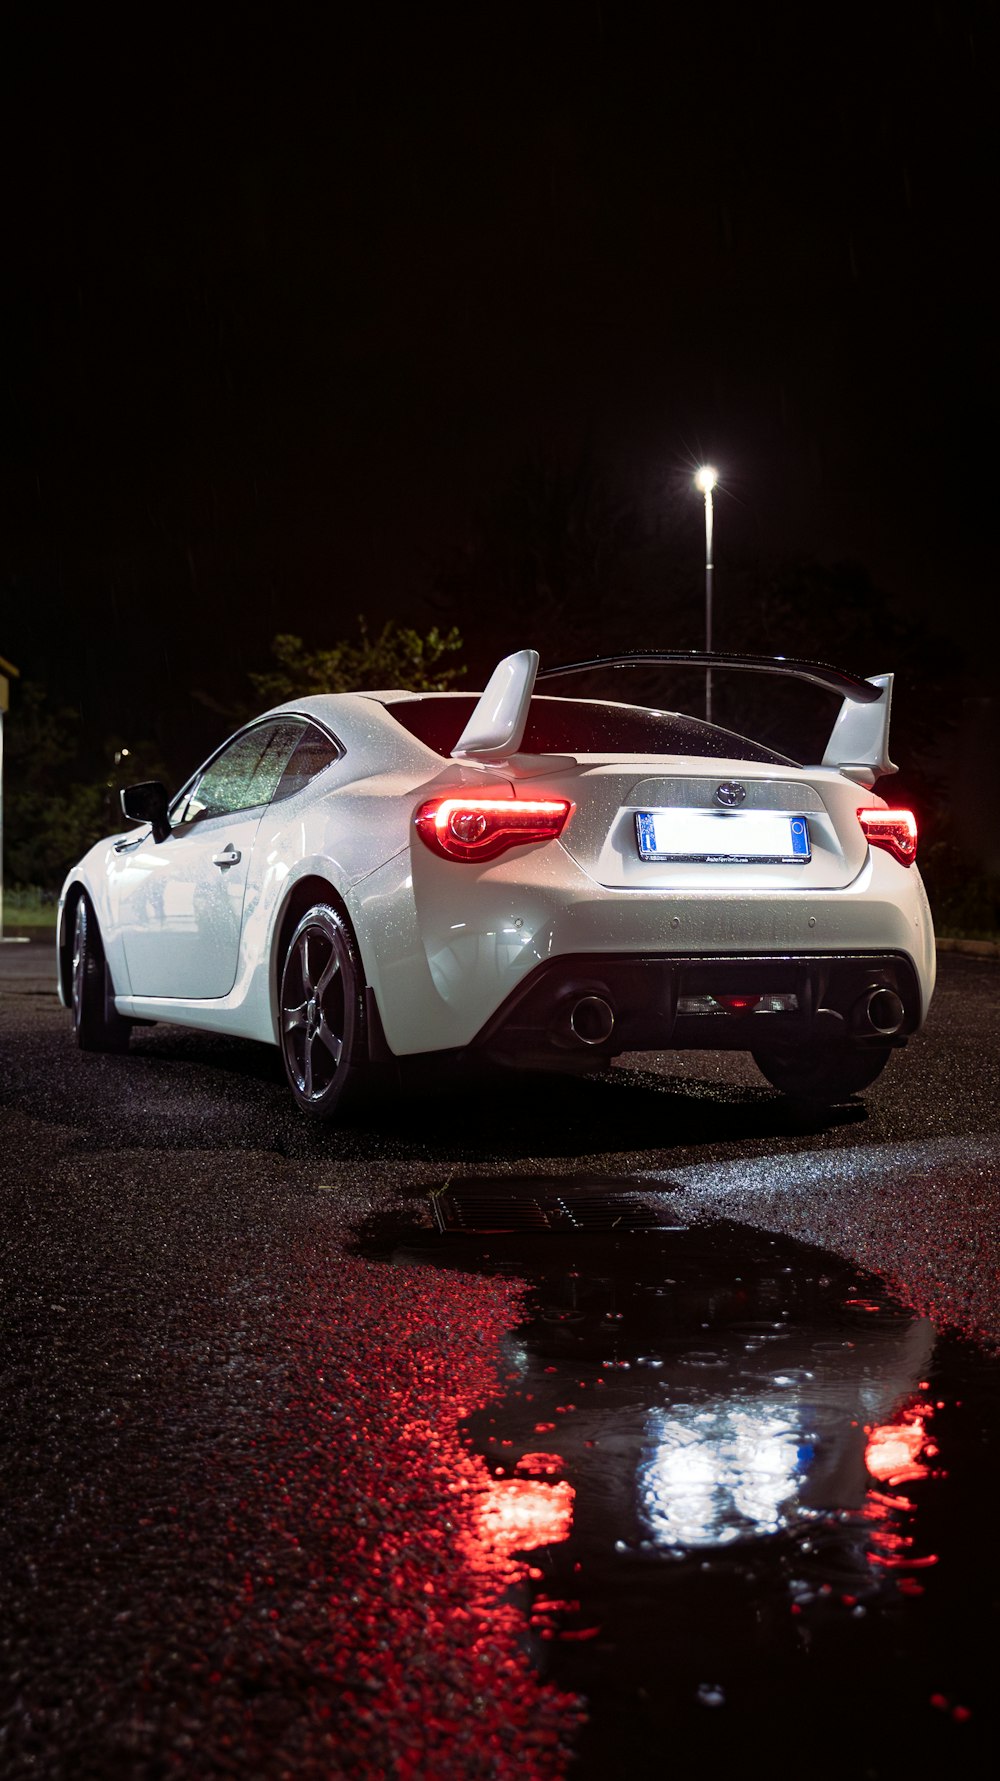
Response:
column 288, row 305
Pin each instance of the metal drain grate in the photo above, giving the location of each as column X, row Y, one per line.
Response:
column 536, row 1204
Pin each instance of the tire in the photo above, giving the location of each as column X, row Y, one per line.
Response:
column 822, row 1072
column 321, row 1012
column 98, row 1025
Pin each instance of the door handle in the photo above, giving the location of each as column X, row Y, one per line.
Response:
column 230, row 858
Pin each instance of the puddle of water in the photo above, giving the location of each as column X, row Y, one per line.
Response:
column 749, row 1488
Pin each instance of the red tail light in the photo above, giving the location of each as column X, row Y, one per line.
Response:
column 739, row 1004
column 480, row 828
column 895, row 830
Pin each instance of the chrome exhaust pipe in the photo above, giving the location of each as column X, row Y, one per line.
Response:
column 592, row 1020
column 882, row 1010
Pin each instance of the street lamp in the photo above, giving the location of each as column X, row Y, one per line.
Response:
column 705, row 480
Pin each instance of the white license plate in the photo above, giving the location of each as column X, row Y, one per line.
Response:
column 732, row 837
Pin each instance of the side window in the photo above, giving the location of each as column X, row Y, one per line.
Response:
column 313, row 752
column 246, row 773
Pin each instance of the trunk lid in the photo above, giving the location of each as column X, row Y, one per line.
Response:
column 610, row 792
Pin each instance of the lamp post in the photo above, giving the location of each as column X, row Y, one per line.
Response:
column 705, row 480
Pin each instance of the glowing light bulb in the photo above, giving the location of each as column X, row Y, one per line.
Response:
column 706, row 479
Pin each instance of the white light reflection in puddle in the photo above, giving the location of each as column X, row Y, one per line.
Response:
column 721, row 1472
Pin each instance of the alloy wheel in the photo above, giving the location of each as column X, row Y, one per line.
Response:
column 316, row 1008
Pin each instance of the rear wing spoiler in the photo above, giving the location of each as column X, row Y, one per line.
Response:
column 859, row 740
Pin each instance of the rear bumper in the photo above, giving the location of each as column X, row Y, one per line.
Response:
column 641, row 1003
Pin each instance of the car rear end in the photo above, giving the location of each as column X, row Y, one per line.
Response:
column 695, row 922
column 696, row 898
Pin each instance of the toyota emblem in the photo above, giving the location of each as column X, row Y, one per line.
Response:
column 730, row 792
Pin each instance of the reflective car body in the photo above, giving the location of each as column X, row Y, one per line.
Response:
column 564, row 949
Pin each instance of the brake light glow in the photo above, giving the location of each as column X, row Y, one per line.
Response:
column 895, row 830
column 784, row 1003
column 481, row 828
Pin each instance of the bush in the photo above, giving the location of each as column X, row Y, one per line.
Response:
column 29, row 906
column 397, row 657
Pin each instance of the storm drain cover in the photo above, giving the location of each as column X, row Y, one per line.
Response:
column 537, row 1203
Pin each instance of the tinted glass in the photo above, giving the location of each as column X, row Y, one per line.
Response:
column 311, row 755
column 246, row 773
column 585, row 726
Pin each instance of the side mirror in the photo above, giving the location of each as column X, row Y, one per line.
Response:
column 148, row 803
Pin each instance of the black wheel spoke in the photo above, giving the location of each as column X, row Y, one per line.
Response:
column 295, row 1018
column 328, row 1038
column 307, row 981
column 328, row 973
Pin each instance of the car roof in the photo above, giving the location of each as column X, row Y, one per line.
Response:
column 360, row 722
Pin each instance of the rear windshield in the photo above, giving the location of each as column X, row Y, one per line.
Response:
column 584, row 726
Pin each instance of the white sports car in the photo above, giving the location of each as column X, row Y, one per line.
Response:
column 537, row 881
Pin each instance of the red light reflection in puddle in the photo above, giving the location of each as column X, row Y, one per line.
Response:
column 894, row 1448
column 539, row 1465
column 517, row 1514
column 514, row 1516
column 374, row 1544
column 895, row 1454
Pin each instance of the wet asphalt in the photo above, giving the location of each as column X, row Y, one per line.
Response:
column 295, row 1484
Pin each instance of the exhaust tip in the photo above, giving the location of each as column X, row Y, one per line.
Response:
column 592, row 1020
column 883, row 1011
